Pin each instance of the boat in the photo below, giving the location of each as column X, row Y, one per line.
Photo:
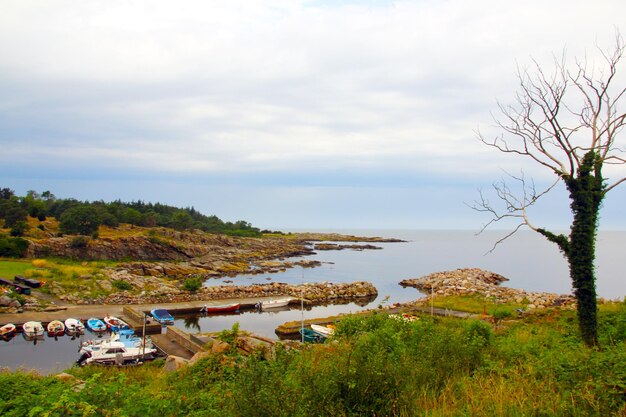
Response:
column 55, row 328
column 96, row 325
column 323, row 330
column 8, row 330
column 33, row 283
column 223, row 308
column 265, row 305
column 33, row 330
column 162, row 316
column 114, row 324
column 310, row 336
column 119, row 349
column 74, row 327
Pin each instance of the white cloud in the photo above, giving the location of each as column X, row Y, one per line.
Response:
column 208, row 87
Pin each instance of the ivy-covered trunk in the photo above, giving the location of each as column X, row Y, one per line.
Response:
column 586, row 193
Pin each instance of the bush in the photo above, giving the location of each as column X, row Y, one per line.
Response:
column 79, row 242
column 192, row 284
column 13, row 247
column 122, row 285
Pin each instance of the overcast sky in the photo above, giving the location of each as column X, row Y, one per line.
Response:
column 287, row 113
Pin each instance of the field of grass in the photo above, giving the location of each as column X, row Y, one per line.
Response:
column 374, row 366
column 12, row 267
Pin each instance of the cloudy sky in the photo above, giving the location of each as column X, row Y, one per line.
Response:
column 284, row 113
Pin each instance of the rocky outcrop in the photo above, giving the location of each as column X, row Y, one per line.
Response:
column 313, row 293
column 335, row 246
column 474, row 281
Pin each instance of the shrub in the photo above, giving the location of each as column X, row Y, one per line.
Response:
column 122, row 285
column 192, row 284
column 13, row 247
column 79, row 242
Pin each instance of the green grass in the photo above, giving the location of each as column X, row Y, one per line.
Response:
column 10, row 268
column 375, row 366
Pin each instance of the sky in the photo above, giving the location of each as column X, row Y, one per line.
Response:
column 289, row 114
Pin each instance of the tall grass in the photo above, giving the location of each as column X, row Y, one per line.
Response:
column 374, row 366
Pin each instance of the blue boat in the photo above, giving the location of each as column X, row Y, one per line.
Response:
column 310, row 336
column 162, row 316
column 96, row 325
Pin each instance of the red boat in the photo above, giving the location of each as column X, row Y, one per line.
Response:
column 222, row 308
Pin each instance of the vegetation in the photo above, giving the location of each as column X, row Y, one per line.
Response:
column 192, row 284
column 375, row 366
column 84, row 218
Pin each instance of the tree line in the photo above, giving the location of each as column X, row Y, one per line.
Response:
column 84, row 217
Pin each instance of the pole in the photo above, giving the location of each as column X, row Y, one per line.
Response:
column 302, row 305
column 143, row 337
column 432, row 301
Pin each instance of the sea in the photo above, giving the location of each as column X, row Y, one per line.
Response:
column 527, row 259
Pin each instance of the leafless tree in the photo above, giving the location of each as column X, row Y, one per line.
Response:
column 569, row 122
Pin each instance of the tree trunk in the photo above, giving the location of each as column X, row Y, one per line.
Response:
column 586, row 193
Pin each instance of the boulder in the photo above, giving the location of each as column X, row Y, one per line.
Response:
column 174, row 363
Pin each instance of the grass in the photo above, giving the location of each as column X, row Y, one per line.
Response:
column 535, row 366
column 12, row 267
column 475, row 304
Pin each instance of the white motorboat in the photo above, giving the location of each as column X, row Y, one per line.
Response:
column 74, row 327
column 265, row 305
column 323, row 330
column 33, row 330
column 119, row 349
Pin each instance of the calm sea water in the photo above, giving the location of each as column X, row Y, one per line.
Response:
column 527, row 259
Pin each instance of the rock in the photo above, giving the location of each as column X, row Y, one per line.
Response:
column 174, row 363
column 199, row 356
column 219, row 347
column 9, row 302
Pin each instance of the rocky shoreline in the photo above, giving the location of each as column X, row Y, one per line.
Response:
column 478, row 282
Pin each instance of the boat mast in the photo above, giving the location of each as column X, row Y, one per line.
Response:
column 302, row 305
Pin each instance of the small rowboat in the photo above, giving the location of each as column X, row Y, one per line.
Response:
column 310, row 336
column 74, row 327
column 32, row 330
column 265, row 305
column 114, row 324
column 162, row 316
column 224, row 308
column 8, row 330
column 323, row 330
column 96, row 325
column 55, row 328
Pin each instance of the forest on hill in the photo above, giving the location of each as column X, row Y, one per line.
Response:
column 84, row 217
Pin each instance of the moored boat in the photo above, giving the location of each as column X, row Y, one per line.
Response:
column 223, row 308
column 96, row 325
column 74, row 327
column 115, row 324
column 8, row 330
column 55, row 328
column 265, row 305
column 162, row 316
column 32, row 330
column 322, row 330
column 310, row 336
column 116, row 350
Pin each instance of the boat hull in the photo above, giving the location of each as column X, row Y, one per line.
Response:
column 96, row 325
column 268, row 305
column 55, row 328
column 74, row 326
column 226, row 308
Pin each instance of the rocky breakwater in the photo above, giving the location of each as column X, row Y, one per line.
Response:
column 313, row 293
column 478, row 282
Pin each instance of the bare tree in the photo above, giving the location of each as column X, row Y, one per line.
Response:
column 567, row 121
